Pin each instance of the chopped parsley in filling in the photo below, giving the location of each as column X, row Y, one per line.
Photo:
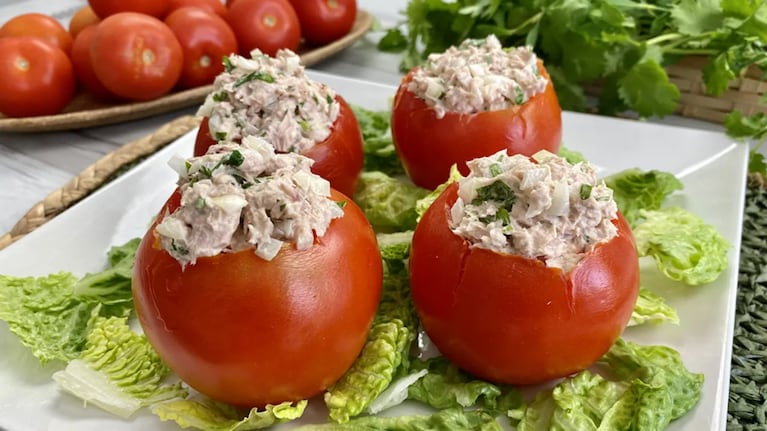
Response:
column 246, row 196
column 478, row 75
column 546, row 209
column 272, row 98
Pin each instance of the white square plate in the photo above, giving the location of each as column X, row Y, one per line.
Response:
column 712, row 168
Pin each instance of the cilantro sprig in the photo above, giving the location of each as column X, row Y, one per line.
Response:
column 624, row 45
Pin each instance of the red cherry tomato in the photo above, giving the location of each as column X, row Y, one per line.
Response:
column 81, row 60
column 248, row 331
column 83, row 18
column 214, row 6
column 37, row 77
column 338, row 158
column 323, row 21
column 38, row 25
column 428, row 146
column 205, row 39
column 268, row 25
column 510, row 319
column 105, row 8
column 136, row 56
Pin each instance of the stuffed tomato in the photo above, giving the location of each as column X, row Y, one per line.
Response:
column 524, row 270
column 258, row 283
column 472, row 101
column 272, row 98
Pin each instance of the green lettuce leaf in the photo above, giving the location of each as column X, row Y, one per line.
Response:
column 372, row 372
column 388, row 203
column 684, row 247
column 45, row 315
column 651, row 308
column 208, row 415
column 446, row 386
column 118, row 371
column 378, row 147
column 423, row 204
column 443, row 420
column 635, row 189
column 113, row 285
column 571, row 156
column 650, row 387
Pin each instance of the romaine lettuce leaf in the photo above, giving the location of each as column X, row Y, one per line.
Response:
column 118, row 371
column 372, row 372
column 651, row 308
column 45, row 315
column 635, row 189
column 423, row 204
column 206, row 414
column 446, row 386
column 388, row 203
column 52, row 315
column 378, row 147
column 651, row 388
column 684, row 247
column 444, row 420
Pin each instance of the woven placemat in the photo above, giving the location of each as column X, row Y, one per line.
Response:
column 747, row 409
column 96, row 175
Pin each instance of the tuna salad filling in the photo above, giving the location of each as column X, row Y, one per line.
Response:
column 272, row 98
column 544, row 208
column 246, row 196
column 478, row 75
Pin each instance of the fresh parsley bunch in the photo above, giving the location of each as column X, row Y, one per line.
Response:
column 619, row 46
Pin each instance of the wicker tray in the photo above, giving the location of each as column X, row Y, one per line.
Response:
column 85, row 111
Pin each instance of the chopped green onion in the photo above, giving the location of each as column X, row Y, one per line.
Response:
column 495, row 169
column 586, row 191
column 200, row 203
column 253, row 76
column 228, row 66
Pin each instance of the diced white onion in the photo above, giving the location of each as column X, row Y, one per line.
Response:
column 268, row 248
column 434, row 89
column 172, row 228
column 533, row 177
column 560, row 200
column 543, row 155
column 230, row 204
column 178, row 164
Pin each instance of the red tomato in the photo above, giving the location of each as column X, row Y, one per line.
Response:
column 39, row 25
column 136, row 56
column 428, row 146
column 338, row 158
column 268, row 25
column 81, row 60
column 323, row 21
column 205, row 39
column 511, row 319
column 105, row 8
column 214, row 6
column 37, row 77
column 81, row 19
column 248, row 331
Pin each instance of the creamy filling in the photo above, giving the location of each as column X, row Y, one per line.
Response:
column 246, row 196
column 478, row 75
column 272, row 98
column 545, row 208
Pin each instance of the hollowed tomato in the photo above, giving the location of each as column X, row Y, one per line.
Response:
column 338, row 158
column 247, row 331
column 428, row 146
column 511, row 319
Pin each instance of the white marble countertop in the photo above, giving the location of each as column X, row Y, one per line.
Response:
column 33, row 165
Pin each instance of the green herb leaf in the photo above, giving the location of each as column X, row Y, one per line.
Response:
column 646, row 88
column 235, row 158
column 253, row 76
column 393, row 41
column 498, row 191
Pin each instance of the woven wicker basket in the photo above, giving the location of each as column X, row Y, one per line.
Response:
column 743, row 95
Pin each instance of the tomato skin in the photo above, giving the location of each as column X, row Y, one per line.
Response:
column 338, row 159
column 38, row 25
column 83, row 18
column 81, row 61
column 38, row 78
column 214, row 6
column 205, row 39
column 250, row 332
column 105, row 8
column 136, row 56
column 323, row 21
column 513, row 320
column 428, row 146
column 269, row 25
